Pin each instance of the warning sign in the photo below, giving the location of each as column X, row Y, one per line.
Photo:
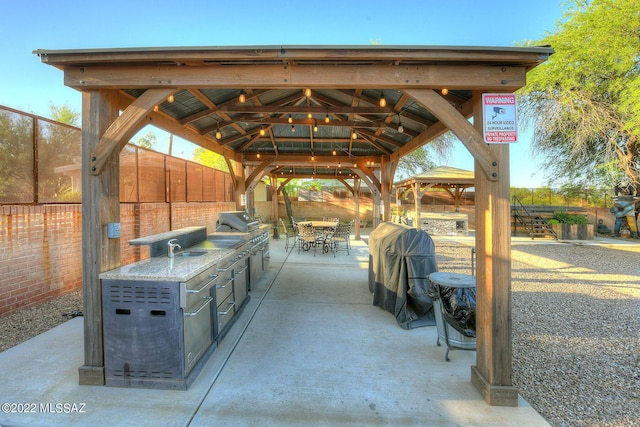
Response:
column 500, row 118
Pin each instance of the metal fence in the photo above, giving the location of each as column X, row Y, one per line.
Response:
column 40, row 163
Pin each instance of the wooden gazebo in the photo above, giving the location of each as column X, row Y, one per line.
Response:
column 452, row 180
column 347, row 112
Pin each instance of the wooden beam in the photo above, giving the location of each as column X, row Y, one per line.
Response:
column 460, row 126
column 169, row 124
column 492, row 374
column 257, row 173
column 384, row 76
column 125, row 126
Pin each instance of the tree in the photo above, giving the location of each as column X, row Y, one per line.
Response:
column 584, row 102
column 148, row 140
column 64, row 114
column 424, row 158
column 209, row 158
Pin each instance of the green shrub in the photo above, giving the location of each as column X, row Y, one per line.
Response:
column 567, row 218
column 553, row 222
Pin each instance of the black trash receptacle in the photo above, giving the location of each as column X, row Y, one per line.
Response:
column 454, row 301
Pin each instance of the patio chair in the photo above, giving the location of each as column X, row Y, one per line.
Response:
column 289, row 233
column 306, row 237
column 341, row 239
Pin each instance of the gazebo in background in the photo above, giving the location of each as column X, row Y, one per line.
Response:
column 454, row 181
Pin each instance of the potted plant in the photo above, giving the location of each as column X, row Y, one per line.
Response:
column 571, row 226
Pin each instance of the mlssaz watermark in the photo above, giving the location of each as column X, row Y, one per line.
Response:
column 44, row 408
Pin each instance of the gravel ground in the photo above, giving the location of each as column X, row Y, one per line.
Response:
column 29, row 322
column 576, row 328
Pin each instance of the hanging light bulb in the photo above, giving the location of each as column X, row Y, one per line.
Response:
column 307, row 92
column 400, row 127
column 313, row 157
column 156, row 108
column 334, row 152
column 218, row 133
column 326, row 119
column 354, row 135
column 293, row 128
column 315, row 127
column 309, row 116
column 444, row 91
column 383, row 101
column 258, row 155
column 262, row 131
column 170, row 98
column 242, row 98
column 290, row 119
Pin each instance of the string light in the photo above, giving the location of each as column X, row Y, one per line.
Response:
column 218, row 133
column 444, row 91
column 156, row 108
column 327, row 119
column 170, row 98
column 354, row 135
column 262, row 131
column 293, row 128
column 242, row 98
column 383, row 101
column 307, row 92
column 290, row 119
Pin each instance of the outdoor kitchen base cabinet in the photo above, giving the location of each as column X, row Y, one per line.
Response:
column 156, row 332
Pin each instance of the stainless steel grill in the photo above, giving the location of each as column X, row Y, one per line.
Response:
column 238, row 221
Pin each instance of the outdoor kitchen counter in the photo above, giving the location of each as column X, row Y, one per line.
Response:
column 180, row 268
column 177, row 269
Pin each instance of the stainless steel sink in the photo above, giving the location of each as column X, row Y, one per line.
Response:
column 191, row 253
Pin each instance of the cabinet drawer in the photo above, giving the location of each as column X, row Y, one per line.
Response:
column 223, row 290
column 226, row 310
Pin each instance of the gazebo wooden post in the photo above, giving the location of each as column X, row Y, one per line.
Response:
column 274, row 200
column 100, row 206
column 356, row 199
column 417, row 203
column 492, row 374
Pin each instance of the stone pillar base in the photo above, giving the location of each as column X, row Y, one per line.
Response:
column 91, row 375
column 494, row 395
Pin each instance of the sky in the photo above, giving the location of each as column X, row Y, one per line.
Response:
column 26, row 25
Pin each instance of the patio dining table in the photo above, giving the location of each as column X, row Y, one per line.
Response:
column 322, row 231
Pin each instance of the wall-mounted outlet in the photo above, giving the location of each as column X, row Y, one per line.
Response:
column 113, row 230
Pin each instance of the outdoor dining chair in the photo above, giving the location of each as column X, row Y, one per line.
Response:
column 306, row 237
column 341, row 239
column 289, row 233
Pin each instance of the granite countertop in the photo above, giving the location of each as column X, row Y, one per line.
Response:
column 180, row 268
column 177, row 269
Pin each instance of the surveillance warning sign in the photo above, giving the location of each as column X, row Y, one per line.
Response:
column 500, row 118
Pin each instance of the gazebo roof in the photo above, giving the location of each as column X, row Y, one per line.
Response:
column 279, row 121
column 440, row 177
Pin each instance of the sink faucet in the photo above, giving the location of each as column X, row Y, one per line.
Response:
column 173, row 245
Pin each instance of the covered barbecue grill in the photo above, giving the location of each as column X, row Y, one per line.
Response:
column 400, row 261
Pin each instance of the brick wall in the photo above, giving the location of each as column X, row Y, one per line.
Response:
column 40, row 254
column 41, row 246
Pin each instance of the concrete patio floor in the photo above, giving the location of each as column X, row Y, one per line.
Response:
column 308, row 349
